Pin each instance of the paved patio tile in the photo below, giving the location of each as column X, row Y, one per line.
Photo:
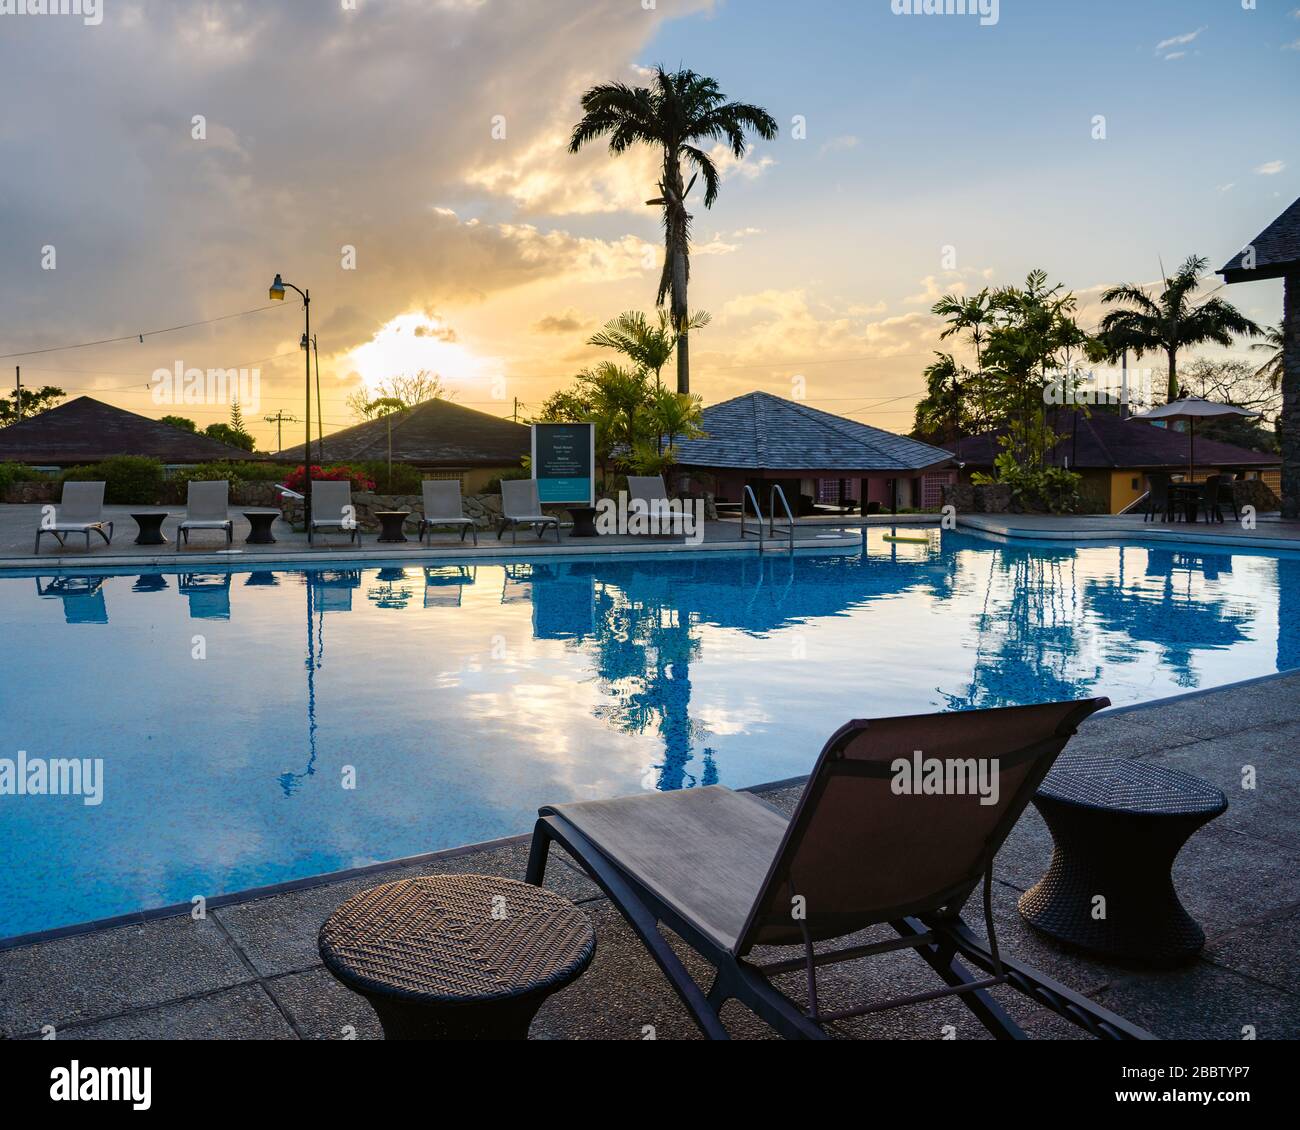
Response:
column 1266, row 952
column 278, row 933
column 242, row 1013
column 1213, row 715
column 323, row 1009
column 1225, row 878
column 1203, row 1002
column 113, row 971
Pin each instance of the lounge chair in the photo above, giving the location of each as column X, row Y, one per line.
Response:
column 332, row 509
column 520, row 507
column 80, row 512
column 443, row 506
column 650, row 492
column 727, row 873
column 207, row 507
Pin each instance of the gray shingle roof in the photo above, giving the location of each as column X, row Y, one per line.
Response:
column 437, row 433
column 1277, row 251
column 86, row 430
column 762, row 432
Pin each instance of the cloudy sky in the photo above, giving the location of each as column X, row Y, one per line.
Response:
column 329, row 124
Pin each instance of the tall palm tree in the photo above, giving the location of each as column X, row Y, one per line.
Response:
column 1272, row 368
column 1174, row 319
column 680, row 109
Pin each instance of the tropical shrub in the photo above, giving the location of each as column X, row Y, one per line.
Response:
column 404, row 479
column 1053, row 489
column 234, row 472
column 11, row 473
column 296, row 479
column 127, row 479
column 493, row 485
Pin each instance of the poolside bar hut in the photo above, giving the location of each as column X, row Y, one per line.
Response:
column 759, row 440
column 1275, row 254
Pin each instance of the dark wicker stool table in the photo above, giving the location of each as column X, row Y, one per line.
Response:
column 457, row 957
column 1118, row 826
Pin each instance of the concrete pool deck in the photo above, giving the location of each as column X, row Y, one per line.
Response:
column 18, row 524
column 250, row 970
column 18, row 529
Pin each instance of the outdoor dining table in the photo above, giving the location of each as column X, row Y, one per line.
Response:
column 150, row 524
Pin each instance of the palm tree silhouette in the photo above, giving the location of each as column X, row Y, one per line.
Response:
column 680, row 109
column 1174, row 319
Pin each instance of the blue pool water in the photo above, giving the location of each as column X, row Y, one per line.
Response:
column 463, row 697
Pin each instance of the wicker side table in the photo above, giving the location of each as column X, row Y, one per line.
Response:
column 457, row 957
column 1117, row 827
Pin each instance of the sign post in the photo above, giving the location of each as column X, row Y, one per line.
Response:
column 564, row 464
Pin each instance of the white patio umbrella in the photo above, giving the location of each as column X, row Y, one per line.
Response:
column 1191, row 409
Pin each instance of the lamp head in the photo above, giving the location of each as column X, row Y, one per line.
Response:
column 277, row 290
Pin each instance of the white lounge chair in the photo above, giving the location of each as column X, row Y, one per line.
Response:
column 207, row 507
column 650, row 493
column 331, row 508
column 443, row 506
column 80, row 512
column 521, row 507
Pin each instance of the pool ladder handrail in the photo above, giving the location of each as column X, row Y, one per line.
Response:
column 758, row 510
column 776, row 493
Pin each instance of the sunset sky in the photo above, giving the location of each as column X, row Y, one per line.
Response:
column 490, row 260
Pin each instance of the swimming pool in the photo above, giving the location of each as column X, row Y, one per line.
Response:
column 256, row 727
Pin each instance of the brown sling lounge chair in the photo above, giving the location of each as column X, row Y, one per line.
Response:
column 727, row 873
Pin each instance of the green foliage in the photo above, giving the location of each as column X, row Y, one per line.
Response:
column 637, row 422
column 493, row 485
column 1019, row 335
column 11, row 473
column 1053, row 489
column 183, row 422
column 232, row 471
column 404, row 479
column 226, row 434
column 34, row 402
column 128, row 479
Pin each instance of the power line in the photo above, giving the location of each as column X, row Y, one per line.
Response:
column 147, row 333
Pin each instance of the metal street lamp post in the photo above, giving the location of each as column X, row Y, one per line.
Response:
column 277, row 295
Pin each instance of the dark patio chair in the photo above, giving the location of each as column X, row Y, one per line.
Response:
column 1208, row 498
column 729, row 874
column 1158, row 498
column 1228, row 493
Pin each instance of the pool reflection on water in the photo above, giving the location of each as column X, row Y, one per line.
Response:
column 267, row 725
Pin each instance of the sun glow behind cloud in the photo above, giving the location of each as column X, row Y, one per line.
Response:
column 410, row 343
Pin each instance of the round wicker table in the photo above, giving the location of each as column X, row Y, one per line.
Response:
column 1117, row 827
column 457, row 957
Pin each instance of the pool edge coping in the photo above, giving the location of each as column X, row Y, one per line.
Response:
column 328, row 878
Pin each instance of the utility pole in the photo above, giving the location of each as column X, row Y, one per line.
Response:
column 515, row 414
column 279, row 419
column 18, row 390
